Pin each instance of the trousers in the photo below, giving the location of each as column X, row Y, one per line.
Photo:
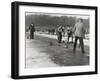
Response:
column 31, row 35
column 81, row 44
column 59, row 38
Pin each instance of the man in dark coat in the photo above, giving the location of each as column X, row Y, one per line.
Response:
column 32, row 30
column 69, row 32
column 59, row 31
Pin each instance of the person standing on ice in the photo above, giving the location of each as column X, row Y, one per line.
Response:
column 59, row 33
column 32, row 30
column 79, row 32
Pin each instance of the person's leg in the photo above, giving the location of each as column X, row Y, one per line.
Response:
column 68, row 41
column 58, row 39
column 72, row 38
column 30, row 35
column 68, row 38
column 63, row 34
column 33, row 35
column 81, row 44
column 75, row 43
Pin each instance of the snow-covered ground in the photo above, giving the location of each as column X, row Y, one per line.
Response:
column 35, row 58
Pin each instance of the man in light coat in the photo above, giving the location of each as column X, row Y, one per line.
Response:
column 79, row 32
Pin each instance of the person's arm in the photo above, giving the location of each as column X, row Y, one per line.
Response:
column 58, row 30
column 84, row 31
column 29, row 27
column 74, row 28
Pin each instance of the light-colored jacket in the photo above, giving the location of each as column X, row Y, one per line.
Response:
column 60, row 29
column 79, row 30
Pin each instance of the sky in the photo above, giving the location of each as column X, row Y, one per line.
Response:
column 59, row 15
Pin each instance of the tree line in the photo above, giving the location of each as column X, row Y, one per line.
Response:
column 49, row 21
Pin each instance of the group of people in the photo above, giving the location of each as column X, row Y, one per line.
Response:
column 78, row 31
column 63, row 31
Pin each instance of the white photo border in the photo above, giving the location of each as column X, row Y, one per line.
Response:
column 70, row 69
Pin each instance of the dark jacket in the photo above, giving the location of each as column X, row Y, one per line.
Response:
column 32, row 28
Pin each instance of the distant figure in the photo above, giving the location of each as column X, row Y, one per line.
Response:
column 79, row 31
column 53, row 31
column 59, row 33
column 69, row 32
column 32, row 30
